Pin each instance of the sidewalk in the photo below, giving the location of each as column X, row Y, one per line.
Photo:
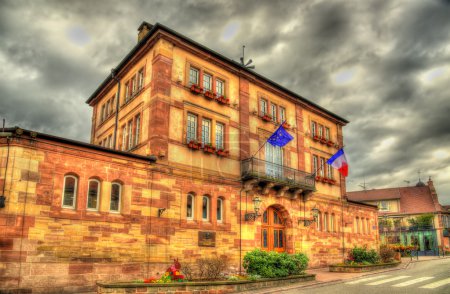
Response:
column 324, row 276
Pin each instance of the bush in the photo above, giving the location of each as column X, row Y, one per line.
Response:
column 211, row 268
column 273, row 264
column 386, row 253
column 361, row 254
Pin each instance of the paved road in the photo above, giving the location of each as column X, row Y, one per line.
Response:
column 421, row 277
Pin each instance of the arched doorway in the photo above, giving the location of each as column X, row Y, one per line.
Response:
column 273, row 234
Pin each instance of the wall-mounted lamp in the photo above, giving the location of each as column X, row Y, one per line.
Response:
column 161, row 211
column 308, row 222
column 252, row 216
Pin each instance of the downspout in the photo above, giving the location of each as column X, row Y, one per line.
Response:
column 114, row 77
column 240, row 231
column 2, row 196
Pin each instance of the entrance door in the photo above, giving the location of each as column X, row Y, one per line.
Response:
column 272, row 231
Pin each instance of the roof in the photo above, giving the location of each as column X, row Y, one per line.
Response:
column 16, row 131
column 159, row 26
column 413, row 200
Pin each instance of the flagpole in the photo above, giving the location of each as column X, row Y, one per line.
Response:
column 266, row 140
column 259, row 148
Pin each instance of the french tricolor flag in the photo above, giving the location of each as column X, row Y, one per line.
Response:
column 339, row 161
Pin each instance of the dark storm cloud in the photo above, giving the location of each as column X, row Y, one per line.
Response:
column 384, row 65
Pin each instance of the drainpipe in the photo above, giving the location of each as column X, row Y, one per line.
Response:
column 114, row 77
column 2, row 196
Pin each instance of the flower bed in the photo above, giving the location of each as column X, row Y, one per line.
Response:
column 359, row 268
column 200, row 287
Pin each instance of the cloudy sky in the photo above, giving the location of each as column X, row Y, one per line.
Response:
column 383, row 65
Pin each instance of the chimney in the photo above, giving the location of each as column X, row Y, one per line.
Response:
column 143, row 29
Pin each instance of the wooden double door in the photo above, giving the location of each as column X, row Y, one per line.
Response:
column 273, row 237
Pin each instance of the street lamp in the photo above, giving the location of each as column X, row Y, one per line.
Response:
column 252, row 216
column 308, row 222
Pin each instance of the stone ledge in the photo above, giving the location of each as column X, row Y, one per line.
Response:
column 199, row 287
column 361, row 268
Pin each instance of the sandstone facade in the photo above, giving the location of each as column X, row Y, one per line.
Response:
column 47, row 246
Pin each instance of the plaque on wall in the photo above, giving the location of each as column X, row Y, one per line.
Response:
column 207, row 239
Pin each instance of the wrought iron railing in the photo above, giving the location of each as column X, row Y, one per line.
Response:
column 256, row 168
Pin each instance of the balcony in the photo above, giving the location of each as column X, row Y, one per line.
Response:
column 264, row 175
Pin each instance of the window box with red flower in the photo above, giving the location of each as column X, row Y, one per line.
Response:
column 209, row 148
column 318, row 178
column 266, row 117
column 222, row 152
column 210, row 95
column 323, row 140
column 223, row 100
column 286, row 126
column 316, row 138
column 332, row 182
column 330, row 143
column 194, row 145
column 196, row 89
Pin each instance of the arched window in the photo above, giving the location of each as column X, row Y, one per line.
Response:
column 325, row 222
column 205, row 208
column 70, row 191
column 116, row 191
column 319, row 223
column 190, row 207
column 219, row 210
column 332, row 223
column 93, row 193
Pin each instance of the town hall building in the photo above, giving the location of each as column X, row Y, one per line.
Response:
column 173, row 170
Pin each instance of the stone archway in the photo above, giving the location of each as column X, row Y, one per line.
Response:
column 276, row 229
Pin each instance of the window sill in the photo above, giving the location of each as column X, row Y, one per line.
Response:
column 106, row 119
column 132, row 97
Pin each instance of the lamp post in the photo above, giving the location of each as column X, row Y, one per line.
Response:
column 252, row 216
column 307, row 222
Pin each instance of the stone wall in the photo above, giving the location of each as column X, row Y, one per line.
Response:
column 48, row 248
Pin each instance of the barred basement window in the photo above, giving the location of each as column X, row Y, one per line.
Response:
column 69, row 192
column 116, row 190
column 93, row 193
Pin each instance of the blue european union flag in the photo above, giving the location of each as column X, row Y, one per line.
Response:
column 280, row 137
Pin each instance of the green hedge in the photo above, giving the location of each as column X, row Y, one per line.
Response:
column 273, row 264
column 362, row 255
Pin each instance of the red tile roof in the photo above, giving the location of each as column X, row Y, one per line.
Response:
column 412, row 199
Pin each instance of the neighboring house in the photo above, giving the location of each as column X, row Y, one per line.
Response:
column 404, row 213
column 173, row 171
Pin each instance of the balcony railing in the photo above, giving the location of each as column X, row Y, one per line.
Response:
column 253, row 168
